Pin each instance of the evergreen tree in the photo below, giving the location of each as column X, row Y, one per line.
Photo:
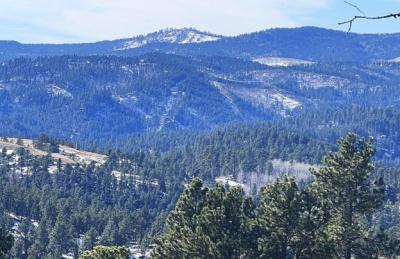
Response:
column 20, row 142
column 89, row 239
column 277, row 219
column 224, row 222
column 40, row 241
column 110, row 234
column 310, row 241
column 181, row 239
column 59, row 240
column 208, row 223
column 345, row 190
column 24, row 240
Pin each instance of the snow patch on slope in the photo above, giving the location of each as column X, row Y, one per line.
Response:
column 286, row 101
column 253, row 181
column 316, row 81
column 129, row 98
column 395, row 60
column 282, row 62
column 229, row 180
column 67, row 155
column 194, row 37
column 304, row 80
column 269, row 99
column 261, row 97
column 167, row 116
column 55, row 90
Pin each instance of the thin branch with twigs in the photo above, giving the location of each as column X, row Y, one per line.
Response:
column 364, row 16
column 350, row 22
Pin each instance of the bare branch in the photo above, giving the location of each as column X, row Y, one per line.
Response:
column 356, row 7
column 350, row 22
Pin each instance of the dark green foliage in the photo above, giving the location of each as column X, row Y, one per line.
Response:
column 6, row 243
column 77, row 201
column 89, row 240
column 330, row 124
column 290, row 219
column 45, row 143
column 344, row 186
column 330, row 218
column 88, row 202
column 310, row 239
column 102, row 252
column 277, row 219
column 207, row 223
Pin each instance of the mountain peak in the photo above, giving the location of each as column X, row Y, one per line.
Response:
column 170, row 35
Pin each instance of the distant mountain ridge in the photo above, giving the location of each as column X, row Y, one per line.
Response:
column 172, row 36
column 306, row 43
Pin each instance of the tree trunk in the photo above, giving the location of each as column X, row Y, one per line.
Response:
column 284, row 250
column 348, row 238
column 348, row 253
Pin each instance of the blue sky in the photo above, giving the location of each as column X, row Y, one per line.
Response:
column 57, row 21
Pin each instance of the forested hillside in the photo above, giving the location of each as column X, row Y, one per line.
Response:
column 56, row 203
column 338, row 215
column 100, row 101
column 99, row 141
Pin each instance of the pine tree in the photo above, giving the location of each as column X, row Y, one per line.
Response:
column 20, row 142
column 23, row 241
column 345, row 190
column 208, row 223
column 109, row 236
column 310, row 240
column 182, row 225
column 38, row 248
column 277, row 218
column 89, row 239
column 224, row 222
column 59, row 240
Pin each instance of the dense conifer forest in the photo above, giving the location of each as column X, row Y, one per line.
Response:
column 91, row 204
column 337, row 215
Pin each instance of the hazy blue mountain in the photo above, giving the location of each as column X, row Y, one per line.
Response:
column 306, row 43
column 157, row 41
